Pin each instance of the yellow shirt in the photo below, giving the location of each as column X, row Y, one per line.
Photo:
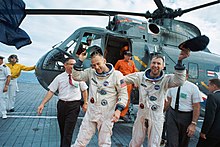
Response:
column 17, row 68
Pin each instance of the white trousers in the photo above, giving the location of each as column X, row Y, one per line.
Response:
column 143, row 126
column 3, row 96
column 88, row 129
column 11, row 94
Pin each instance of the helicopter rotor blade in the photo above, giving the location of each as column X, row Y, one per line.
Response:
column 159, row 5
column 81, row 12
column 163, row 13
column 200, row 6
column 179, row 12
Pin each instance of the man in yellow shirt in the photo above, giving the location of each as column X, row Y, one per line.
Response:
column 15, row 73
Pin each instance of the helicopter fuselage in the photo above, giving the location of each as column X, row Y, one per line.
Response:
column 143, row 39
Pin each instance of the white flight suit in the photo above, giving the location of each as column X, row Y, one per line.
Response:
column 152, row 93
column 4, row 73
column 105, row 92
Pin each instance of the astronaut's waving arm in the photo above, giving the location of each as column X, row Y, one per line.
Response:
column 177, row 79
column 78, row 73
column 132, row 78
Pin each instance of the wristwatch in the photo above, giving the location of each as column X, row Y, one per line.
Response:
column 194, row 123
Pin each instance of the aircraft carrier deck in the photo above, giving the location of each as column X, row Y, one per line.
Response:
column 24, row 128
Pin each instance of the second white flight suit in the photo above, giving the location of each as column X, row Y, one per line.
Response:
column 152, row 93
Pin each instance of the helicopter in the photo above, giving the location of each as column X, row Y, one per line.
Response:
column 161, row 34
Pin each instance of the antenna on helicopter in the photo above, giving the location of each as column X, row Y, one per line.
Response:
column 57, row 44
column 108, row 27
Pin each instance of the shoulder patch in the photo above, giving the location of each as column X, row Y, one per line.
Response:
column 122, row 83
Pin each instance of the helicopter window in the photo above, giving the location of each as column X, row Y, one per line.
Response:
column 71, row 46
column 193, row 71
column 88, row 40
column 91, row 39
column 58, row 65
column 217, row 69
column 54, row 60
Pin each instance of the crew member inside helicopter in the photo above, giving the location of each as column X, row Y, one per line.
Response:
column 84, row 45
column 89, row 41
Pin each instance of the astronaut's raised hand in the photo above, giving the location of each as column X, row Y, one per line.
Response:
column 83, row 55
column 184, row 53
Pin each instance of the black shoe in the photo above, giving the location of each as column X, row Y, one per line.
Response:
column 12, row 110
column 163, row 142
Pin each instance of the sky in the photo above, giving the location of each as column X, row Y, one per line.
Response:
column 46, row 31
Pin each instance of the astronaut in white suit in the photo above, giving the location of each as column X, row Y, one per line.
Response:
column 107, row 98
column 153, row 84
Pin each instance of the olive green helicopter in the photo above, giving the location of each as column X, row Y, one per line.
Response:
column 161, row 34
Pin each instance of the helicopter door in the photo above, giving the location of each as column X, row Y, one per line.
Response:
column 141, row 55
column 113, row 48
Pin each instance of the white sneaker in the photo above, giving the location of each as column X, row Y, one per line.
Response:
column 4, row 116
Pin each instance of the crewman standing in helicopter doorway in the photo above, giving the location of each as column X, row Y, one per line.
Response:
column 127, row 66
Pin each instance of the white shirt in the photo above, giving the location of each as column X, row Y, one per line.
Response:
column 4, row 72
column 67, row 92
column 216, row 91
column 189, row 94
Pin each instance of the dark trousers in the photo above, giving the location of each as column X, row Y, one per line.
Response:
column 164, row 133
column 177, row 124
column 209, row 142
column 67, row 113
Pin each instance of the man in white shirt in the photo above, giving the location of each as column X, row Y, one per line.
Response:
column 183, row 114
column 68, row 106
column 5, row 76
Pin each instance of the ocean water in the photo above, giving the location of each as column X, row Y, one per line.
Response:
column 27, row 77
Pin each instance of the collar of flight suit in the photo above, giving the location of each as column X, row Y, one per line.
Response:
column 147, row 76
column 105, row 74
